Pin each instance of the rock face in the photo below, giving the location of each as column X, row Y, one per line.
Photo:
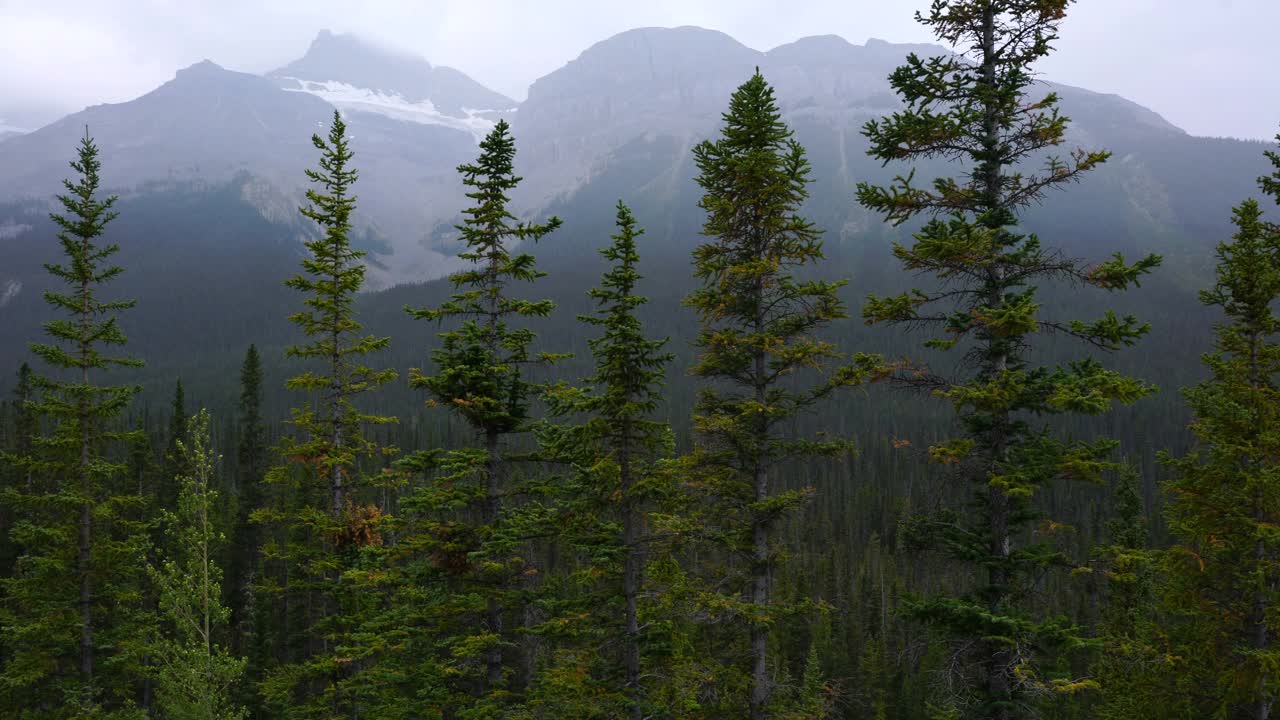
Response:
column 675, row 82
column 206, row 123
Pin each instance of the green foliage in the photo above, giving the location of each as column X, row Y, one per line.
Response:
column 601, row 501
column 472, row 568
column 1224, row 504
column 973, row 107
column 758, row 334
column 251, row 620
column 323, row 510
column 195, row 672
column 69, row 618
column 1270, row 184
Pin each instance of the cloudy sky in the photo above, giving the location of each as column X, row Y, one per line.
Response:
column 1206, row 65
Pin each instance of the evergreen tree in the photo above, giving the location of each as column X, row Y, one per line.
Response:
column 473, row 564
column 974, row 107
column 1132, row 666
column 1225, row 494
column 196, row 674
column 70, row 620
column 758, row 331
column 612, row 455
column 329, row 518
column 251, row 622
column 177, row 419
column 20, row 443
column 164, row 492
column 252, row 450
column 1270, row 184
column 26, row 423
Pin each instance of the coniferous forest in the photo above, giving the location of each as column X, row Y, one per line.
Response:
column 730, row 507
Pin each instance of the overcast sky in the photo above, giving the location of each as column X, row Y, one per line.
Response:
column 1206, row 65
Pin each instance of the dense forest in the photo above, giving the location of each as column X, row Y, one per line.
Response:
column 980, row 487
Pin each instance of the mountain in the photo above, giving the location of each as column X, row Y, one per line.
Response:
column 619, row 121
column 354, row 75
column 210, row 125
column 10, row 131
column 673, row 83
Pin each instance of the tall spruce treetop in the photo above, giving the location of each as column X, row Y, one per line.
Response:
column 758, row 331
column 1225, row 495
column 333, row 275
column 167, row 489
column 331, row 513
column 252, row 451
column 612, row 452
column 480, row 364
column 480, row 375
column 630, row 368
column 976, row 108
column 81, row 550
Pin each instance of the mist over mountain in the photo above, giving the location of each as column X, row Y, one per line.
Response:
column 618, row 121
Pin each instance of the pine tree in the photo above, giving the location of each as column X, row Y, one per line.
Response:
column 251, row 622
column 1270, row 184
column 167, row 494
column 1132, row 665
column 758, row 331
column 26, row 423
column 69, row 621
column 196, row 674
column 612, row 454
column 330, row 518
column 252, row 450
column 1225, row 495
column 975, row 107
column 473, row 564
column 21, row 436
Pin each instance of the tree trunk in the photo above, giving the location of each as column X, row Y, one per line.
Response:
column 997, row 664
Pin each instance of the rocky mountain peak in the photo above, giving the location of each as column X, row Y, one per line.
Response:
column 345, row 66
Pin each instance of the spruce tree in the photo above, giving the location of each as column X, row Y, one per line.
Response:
column 473, row 565
column 759, row 326
column 1225, row 494
column 196, row 674
column 329, row 516
column 250, row 622
column 252, row 449
column 612, row 454
column 26, row 423
column 70, row 620
column 1132, row 667
column 173, row 468
column 1270, row 184
column 976, row 108
column 20, row 440
column 177, row 417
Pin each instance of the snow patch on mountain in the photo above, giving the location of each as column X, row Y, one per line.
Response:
column 393, row 105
